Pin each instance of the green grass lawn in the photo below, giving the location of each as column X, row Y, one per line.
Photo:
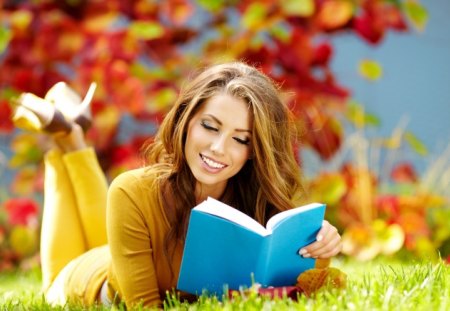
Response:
column 378, row 285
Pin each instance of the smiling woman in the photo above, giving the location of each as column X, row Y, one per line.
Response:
column 217, row 144
column 227, row 136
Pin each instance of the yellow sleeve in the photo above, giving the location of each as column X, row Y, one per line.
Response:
column 130, row 240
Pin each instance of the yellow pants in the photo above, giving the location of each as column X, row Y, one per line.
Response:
column 73, row 227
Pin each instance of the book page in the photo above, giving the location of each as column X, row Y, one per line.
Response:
column 276, row 219
column 220, row 209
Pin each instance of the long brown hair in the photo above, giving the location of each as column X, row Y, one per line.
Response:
column 268, row 183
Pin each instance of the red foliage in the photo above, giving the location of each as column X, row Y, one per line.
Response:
column 21, row 210
column 6, row 125
column 404, row 172
column 84, row 41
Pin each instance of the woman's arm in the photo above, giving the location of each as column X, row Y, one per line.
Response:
column 130, row 243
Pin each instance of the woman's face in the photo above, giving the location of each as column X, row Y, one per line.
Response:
column 218, row 143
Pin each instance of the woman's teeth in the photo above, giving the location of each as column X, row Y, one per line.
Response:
column 212, row 163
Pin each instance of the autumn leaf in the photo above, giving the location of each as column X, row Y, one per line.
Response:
column 254, row 15
column 178, row 11
column 24, row 182
column 313, row 280
column 99, row 22
column 146, row 30
column 370, row 70
column 334, row 14
column 21, row 20
column 5, row 37
column 328, row 188
column 324, row 134
column 21, row 211
column 302, row 8
column 281, row 32
column 404, row 172
column 212, row 5
column 26, row 148
column 6, row 125
column 416, row 13
column 359, row 117
column 414, row 142
column 369, row 28
column 24, row 240
column 322, row 54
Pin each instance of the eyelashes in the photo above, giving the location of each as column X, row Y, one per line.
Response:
column 208, row 127
column 242, row 141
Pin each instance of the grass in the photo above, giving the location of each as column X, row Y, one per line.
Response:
column 379, row 285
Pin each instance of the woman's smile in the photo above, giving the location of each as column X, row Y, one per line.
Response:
column 211, row 164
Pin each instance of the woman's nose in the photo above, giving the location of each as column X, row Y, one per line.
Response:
column 218, row 145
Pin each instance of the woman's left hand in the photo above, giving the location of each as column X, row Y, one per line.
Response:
column 328, row 243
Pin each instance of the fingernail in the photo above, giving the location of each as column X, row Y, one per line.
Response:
column 302, row 251
column 306, row 255
column 319, row 237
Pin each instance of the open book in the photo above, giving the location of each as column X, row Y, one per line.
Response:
column 226, row 247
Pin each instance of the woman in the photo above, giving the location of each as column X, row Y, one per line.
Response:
column 228, row 136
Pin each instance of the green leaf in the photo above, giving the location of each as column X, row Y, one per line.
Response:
column 356, row 115
column 8, row 93
column 370, row 69
column 416, row 144
column 146, row 30
column 302, row 8
column 211, row 5
column 417, row 14
column 280, row 32
column 329, row 189
column 5, row 37
column 254, row 15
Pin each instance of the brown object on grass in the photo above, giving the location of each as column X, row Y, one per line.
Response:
column 312, row 280
column 322, row 263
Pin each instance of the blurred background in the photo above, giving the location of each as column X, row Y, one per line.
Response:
column 367, row 81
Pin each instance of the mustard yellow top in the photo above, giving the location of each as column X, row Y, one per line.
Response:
column 136, row 228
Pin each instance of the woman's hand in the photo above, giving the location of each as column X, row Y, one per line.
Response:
column 328, row 243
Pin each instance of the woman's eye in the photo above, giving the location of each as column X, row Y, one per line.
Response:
column 208, row 127
column 242, row 141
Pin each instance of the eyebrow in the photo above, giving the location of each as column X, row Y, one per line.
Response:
column 220, row 123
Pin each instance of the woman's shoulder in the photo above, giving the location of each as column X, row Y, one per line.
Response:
column 138, row 177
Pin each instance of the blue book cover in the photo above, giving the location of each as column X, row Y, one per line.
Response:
column 225, row 247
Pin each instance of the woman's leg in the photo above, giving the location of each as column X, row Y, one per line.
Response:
column 88, row 183
column 74, row 218
column 90, row 187
column 62, row 237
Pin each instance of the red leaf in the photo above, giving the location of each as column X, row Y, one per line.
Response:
column 6, row 125
column 388, row 206
column 21, row 210
column 369, row 28
column 323, row 134
column 404, row 173
column 322, row 54
column 121, row 154
column 393, row 18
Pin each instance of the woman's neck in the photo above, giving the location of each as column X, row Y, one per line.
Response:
column 202, row 192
